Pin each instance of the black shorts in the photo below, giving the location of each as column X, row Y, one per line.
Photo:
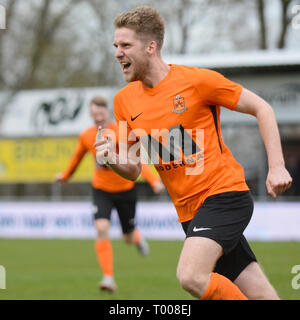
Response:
column 124, row 202
column 223, row 218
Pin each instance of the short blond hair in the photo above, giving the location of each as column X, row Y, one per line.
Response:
column 99, row 101
column 145, row 21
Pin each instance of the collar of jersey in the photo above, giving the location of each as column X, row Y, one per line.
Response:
column 154, row 90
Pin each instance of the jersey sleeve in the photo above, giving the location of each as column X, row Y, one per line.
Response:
column 215, row 89
column 77, row 156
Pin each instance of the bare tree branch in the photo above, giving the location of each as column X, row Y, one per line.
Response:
column 262, row 24
column 9, row 16
column 285, row 21
column 44, row 37
column 44, row 34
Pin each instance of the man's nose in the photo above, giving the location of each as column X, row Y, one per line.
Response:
column 119, row 53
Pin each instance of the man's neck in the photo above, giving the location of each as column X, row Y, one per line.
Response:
column 157, row 72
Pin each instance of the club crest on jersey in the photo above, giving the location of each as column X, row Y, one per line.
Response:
column 179, row 105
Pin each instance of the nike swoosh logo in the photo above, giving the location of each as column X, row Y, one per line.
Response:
column 132, row 119
column 200, row 229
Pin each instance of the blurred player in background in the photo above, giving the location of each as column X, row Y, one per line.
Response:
column 207, row 185
column 109, row 191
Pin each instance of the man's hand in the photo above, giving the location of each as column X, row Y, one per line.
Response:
column 104, row 146
column 158, row 187
column 278, row 181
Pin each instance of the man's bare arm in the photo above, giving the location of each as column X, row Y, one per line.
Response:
column 278, row 179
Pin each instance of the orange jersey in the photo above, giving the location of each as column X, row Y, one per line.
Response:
column 188, row 100
column 104, row 178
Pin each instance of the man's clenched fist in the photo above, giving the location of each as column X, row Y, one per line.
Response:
column 105, row 148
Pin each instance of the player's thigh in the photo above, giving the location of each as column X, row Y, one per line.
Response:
column 125, row 203
column 221, row 221
column 198, row 257
column 102, row 204
column 253, row 282
column 231, row 265
column 102, row 207
column 223, row 218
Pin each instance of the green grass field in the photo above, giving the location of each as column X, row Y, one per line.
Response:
column 67, row 269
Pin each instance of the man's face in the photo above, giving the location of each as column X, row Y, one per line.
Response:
column 99, row 113
column 131, row 53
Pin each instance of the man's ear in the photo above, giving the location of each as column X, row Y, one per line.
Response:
column 151, row 47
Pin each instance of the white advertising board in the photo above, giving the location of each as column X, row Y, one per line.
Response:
column 53, row 112
column 156, row 220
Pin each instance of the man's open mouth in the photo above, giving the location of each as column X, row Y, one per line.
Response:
column 125, row 65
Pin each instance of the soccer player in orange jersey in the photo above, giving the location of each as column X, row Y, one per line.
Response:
column 109, row 190
column 206, row 185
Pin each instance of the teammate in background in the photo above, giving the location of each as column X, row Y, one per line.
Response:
column 109, row 190
column 207, row 186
